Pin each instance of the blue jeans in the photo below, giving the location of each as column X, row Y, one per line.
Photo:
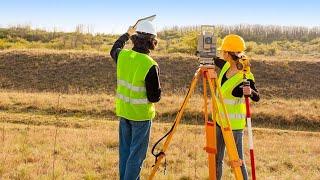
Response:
column 238, row 137
column 133, row 145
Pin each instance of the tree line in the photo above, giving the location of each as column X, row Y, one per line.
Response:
column 256, row 33
column 262, row 39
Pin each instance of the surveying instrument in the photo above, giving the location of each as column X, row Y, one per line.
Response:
column 206, row 51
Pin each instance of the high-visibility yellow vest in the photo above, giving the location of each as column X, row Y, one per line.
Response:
column 131, row 101
column 235, row 106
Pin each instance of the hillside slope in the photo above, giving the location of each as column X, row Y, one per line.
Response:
column 74, row 71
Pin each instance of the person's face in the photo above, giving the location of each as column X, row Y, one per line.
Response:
column 225, row 55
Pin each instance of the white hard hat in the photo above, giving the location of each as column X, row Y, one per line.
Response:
column 146, row 27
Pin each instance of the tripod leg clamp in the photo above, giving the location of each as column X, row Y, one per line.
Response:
column 235, row 163
column 210, row 150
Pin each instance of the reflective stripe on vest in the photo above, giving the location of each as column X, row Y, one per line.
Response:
column 233, row 101
column 131, row 100
column 235, row 116
column 130, row 86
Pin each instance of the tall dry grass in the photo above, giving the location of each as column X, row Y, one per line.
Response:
column 91, row 152
column 273, row 113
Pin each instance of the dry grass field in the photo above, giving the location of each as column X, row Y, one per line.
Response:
column 91, row 151
column 68, row 96
column 87, row 138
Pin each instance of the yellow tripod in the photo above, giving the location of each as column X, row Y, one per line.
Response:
column 208, row 74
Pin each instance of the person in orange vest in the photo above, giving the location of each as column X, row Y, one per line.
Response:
column 138, row 88
column 233, row 92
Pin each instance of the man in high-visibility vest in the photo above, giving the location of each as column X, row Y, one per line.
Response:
column 138, row 88
column 231, row 80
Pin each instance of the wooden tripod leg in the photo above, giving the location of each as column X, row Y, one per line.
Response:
column 210, row 128
column 177, row 121
column 231, row 147
column 205, row 98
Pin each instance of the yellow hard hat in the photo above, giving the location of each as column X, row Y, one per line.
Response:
column 232, row 43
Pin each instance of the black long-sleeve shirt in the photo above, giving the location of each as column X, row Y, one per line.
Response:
column 238, row 91
column 152, row 80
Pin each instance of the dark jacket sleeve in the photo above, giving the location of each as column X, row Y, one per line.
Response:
column 219, row 62
column 238, row 92
column 118, row 46
column 153, row 84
